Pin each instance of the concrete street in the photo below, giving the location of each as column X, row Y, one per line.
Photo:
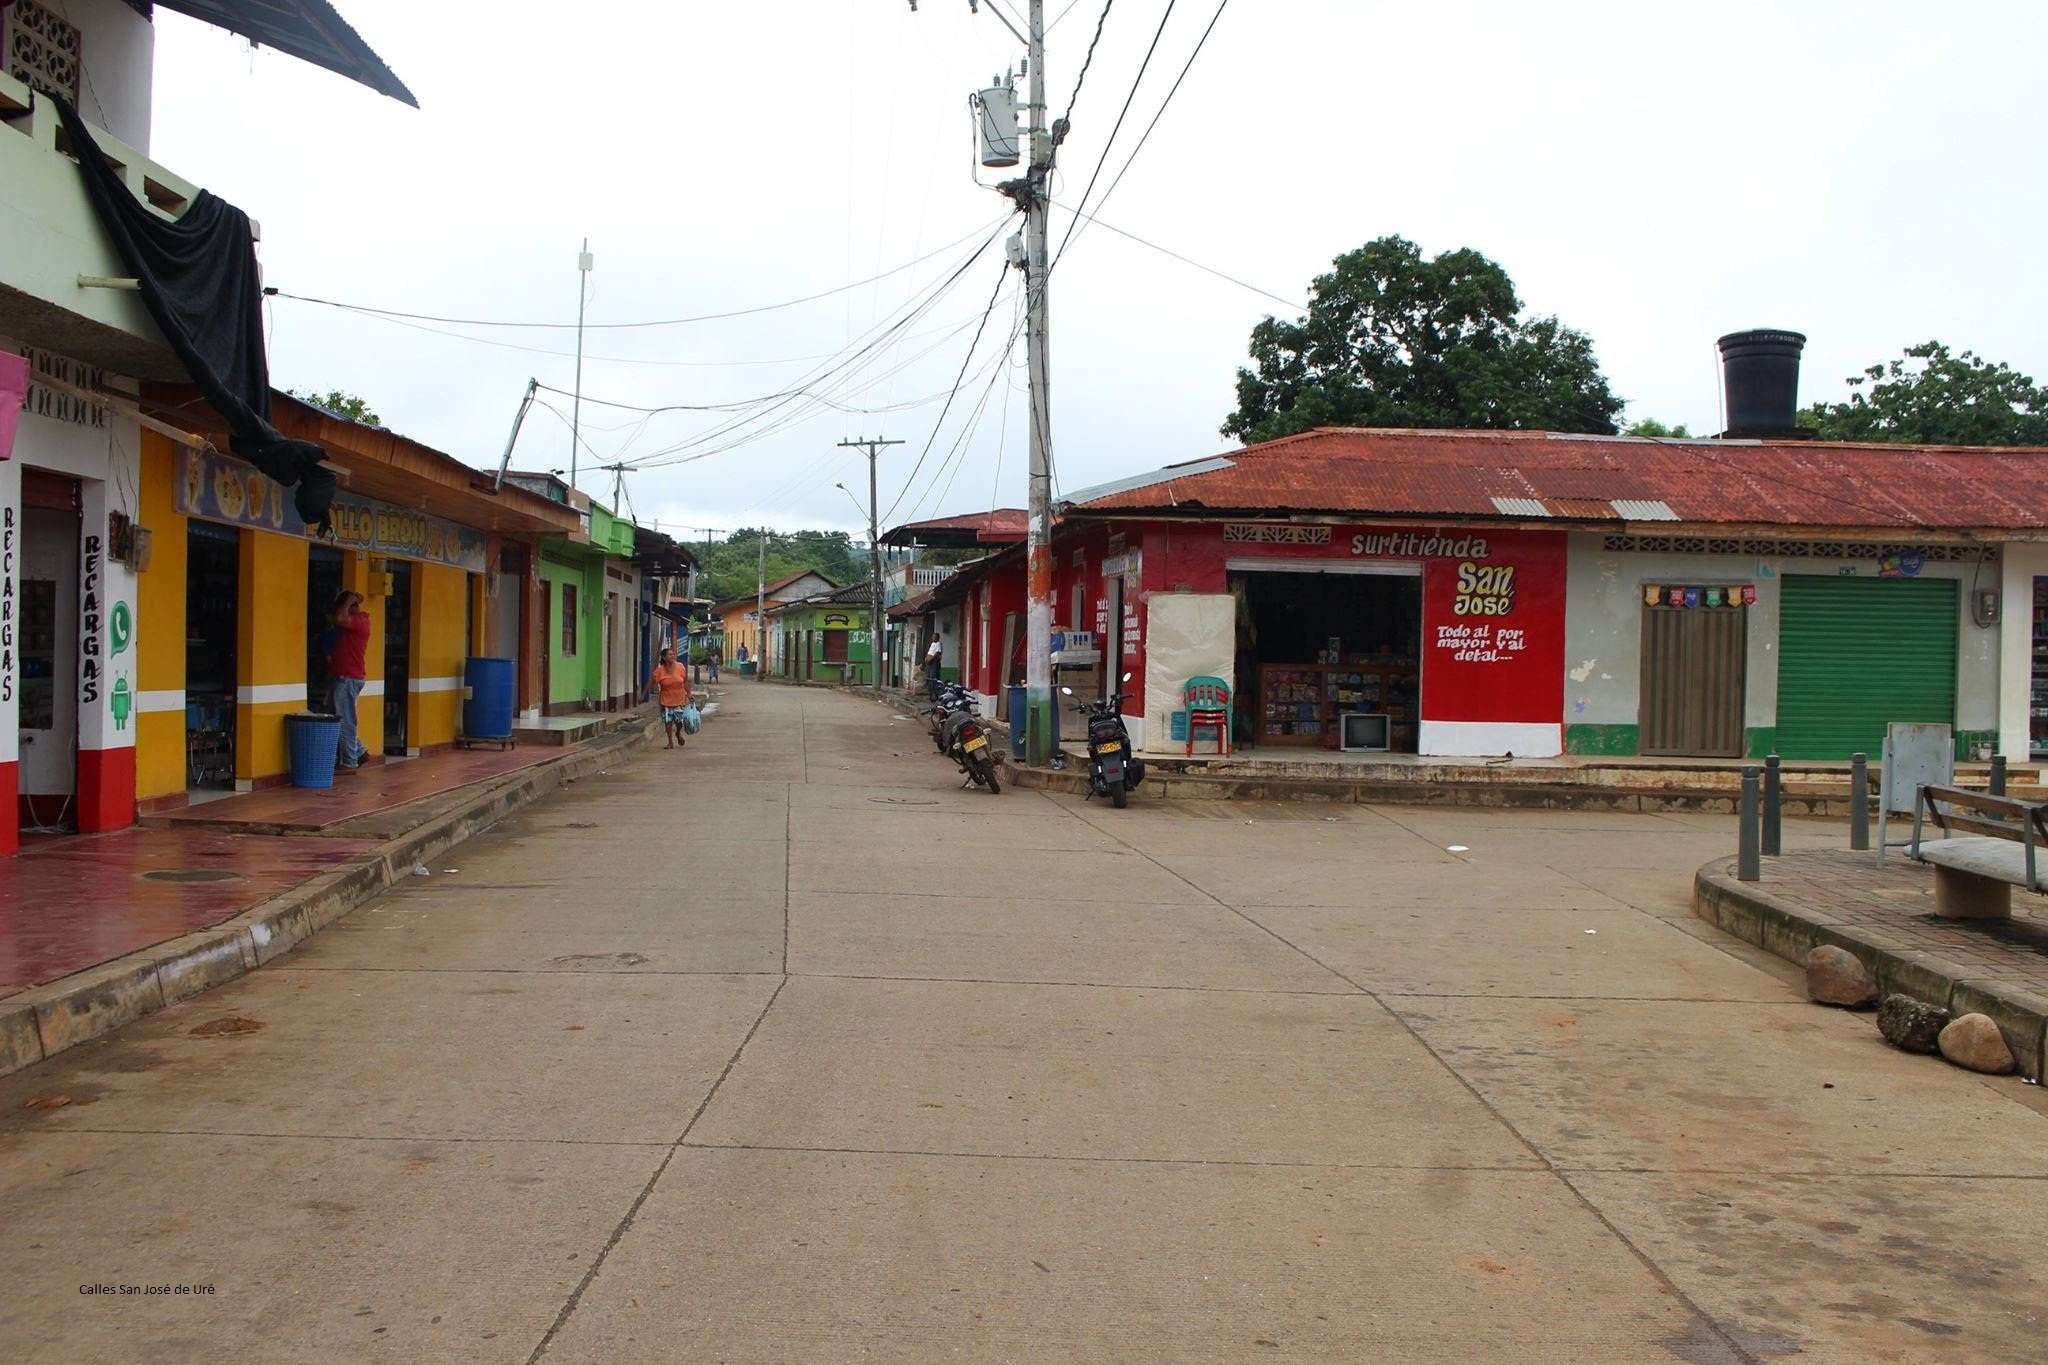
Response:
column 785, row 1048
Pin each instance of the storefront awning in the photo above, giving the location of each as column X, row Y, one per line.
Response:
column 310, row 30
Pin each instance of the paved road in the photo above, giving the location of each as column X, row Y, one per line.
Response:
column 784, row 1048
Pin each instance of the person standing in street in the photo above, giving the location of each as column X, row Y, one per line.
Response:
column 672, row 681
column 932, row 654
column 714, row 657
column 345, row 659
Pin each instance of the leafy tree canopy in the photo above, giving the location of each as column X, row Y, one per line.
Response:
column 728, row 566
column 1933, row 396
column 1650, row 426
column 1395, row 340
column 342, row 404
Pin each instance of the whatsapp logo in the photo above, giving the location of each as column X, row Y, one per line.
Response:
column 122, row 626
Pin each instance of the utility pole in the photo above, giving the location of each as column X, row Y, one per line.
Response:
column 878, row 629
column 761, row 608
column 1038, row 529
column 1033, row 194
column 583, row 264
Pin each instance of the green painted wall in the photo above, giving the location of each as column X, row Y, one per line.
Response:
column 1604, row 741
column 574, row 678
column 794, row 622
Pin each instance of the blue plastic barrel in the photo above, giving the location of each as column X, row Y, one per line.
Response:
column 312, row 740
column 487, row 714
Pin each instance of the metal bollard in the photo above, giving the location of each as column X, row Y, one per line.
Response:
column 1859, row 801
column 1748, row 866
column 1998, row 774
column 1774, row 807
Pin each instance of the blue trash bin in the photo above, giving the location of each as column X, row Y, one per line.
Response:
column 487, row 714
column 313, row 740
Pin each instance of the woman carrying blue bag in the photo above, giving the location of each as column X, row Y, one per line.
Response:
column 679, row 715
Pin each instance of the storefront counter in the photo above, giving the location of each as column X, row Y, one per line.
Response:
column 1303, row 703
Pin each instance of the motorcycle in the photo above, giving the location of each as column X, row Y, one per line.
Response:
column 1112, row 772
column 946, row 698
column 964, row 739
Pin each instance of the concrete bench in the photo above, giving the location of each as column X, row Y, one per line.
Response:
column 1974, row 875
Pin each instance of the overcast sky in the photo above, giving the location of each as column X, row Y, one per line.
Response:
column 1868, row 172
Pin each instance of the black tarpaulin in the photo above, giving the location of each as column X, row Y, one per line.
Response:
column 199, row 282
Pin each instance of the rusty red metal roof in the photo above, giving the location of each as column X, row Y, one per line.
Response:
column 1002, row 526
column 1526, row 476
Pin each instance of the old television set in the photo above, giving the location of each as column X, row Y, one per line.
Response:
column 1369, row 732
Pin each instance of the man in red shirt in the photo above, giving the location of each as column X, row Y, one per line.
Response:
column 345, row 666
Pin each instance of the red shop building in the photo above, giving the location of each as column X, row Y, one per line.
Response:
column 1350, row 601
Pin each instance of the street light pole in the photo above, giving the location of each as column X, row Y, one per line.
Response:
column 583, row 264
column 878, row 633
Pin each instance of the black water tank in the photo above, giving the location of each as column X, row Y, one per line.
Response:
column 1760, row 375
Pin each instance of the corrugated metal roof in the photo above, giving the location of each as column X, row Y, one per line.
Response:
column 1000, row 526
column 1483, row 474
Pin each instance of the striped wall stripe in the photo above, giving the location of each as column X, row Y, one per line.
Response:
column 265, row 694
column 172, row 699
column 433, row 684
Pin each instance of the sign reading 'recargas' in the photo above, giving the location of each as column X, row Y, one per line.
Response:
column 219, row 488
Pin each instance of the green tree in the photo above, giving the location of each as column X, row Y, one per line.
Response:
column 1395, row 340
column 1933, row 396
column 729, row 566
column 342, row 404
column 1651, row 427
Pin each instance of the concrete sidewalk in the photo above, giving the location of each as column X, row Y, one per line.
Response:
column 783, row 1047
column 1885, row 916
column 96, row 931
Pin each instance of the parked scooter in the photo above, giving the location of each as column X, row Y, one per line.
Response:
column 1112, row 772
column 962, row 737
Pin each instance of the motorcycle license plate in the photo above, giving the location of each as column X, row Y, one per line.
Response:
column 1109, row 748
column 975, row 744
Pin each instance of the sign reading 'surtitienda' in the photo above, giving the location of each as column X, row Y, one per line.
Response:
column 219, row 488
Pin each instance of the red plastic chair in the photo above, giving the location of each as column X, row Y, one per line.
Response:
column 1207, row 702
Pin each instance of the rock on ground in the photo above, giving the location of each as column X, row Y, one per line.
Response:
column 1835, row 976
column 1974, row 1041
column 1910, row 1024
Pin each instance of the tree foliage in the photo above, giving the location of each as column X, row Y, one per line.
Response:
column 1651, row 427
column 1935, row 397
column 1395, row 340
column 342, row 404
column 728, row 566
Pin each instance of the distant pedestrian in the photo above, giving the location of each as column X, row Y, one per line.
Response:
column 742, row 655
column 932, row 655
column 672, row 680
column 345, row 659
column 711, row 656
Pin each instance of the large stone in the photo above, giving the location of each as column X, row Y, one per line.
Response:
column 1974, row 1041
column 1910, row 1024
column 1834, row 976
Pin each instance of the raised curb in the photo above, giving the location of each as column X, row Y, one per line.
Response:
column 1749, row 912
column 1430, row 787
column 45, row 1020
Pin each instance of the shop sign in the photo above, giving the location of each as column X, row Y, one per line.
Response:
column 1274, row 533
column 89, row 620
column 214, row 487
column 1414, row 545
column 6, row 604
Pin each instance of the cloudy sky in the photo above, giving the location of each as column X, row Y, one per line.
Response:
column 1867, row 171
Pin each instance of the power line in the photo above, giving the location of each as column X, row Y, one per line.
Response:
column 1157, row 115
column 1082, row 79
column 1101, row 161
column 964, row 360
column 622, row 326
column 1188, row 260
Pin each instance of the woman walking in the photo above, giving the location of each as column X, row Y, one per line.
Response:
column 672, row 680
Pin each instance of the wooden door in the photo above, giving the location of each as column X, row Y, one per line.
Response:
column 1692, row 687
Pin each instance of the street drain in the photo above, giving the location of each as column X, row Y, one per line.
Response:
column 190, row 874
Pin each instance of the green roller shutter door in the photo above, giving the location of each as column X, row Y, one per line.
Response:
column 1857, row 653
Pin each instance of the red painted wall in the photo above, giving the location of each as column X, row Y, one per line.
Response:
column 1492, row 604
